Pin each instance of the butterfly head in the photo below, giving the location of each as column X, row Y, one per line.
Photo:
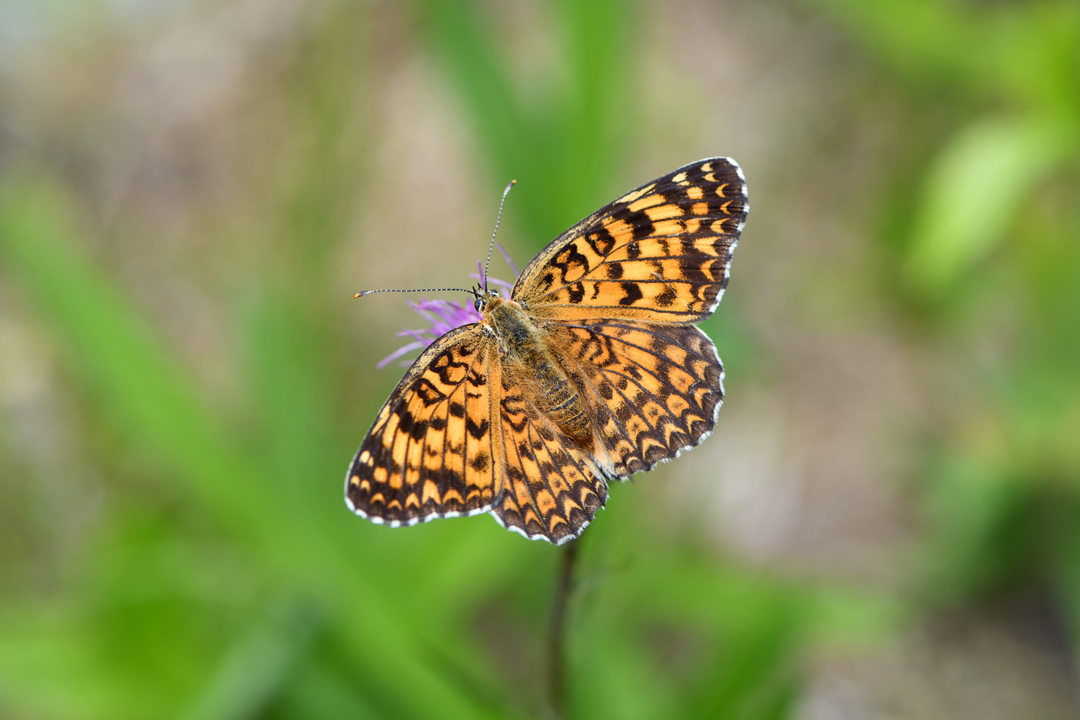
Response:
column 482, row 298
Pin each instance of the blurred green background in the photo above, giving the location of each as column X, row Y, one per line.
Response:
column 885, row 524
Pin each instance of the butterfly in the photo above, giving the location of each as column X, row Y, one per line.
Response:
column 592, row 370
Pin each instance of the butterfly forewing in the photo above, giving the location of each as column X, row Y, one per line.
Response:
column 431, row 452
column 659, row 253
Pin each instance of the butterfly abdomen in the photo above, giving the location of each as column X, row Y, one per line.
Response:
column 526, row 347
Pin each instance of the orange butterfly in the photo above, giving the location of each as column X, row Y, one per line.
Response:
column 590, row 371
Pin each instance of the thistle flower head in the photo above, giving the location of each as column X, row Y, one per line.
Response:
column 442, row 316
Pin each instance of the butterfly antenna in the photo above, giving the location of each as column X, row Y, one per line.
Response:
column 362, row 293
column 497, row 220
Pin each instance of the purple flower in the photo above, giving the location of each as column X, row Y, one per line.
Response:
column 443, row 316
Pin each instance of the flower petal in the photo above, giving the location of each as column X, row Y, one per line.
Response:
column 401, row 351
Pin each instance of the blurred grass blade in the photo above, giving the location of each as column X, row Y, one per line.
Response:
column 561, row 137
column 922, row 39
column 146, row 394
column 973, row 195
column 975, row 509
column 256, row 668
column 480, row 75
column 116, row 354
column 756, row 668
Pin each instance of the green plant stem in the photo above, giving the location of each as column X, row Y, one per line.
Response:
column 557, row 637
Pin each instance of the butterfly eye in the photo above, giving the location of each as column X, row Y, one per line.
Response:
column 476, row 304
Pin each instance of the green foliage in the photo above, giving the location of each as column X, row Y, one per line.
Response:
column 228, row 580
column 566, row 134
column 974, row 194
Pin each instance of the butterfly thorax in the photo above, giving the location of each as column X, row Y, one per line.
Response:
column 528, row 357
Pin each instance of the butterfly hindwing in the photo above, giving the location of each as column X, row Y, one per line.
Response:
column 550, row 491
column 654, row 390
column 431, row 452
column 660, row 253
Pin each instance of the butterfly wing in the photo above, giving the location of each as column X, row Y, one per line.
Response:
column 552, row 488
column 652, row 390
column 660, row 253
column 431, row 452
